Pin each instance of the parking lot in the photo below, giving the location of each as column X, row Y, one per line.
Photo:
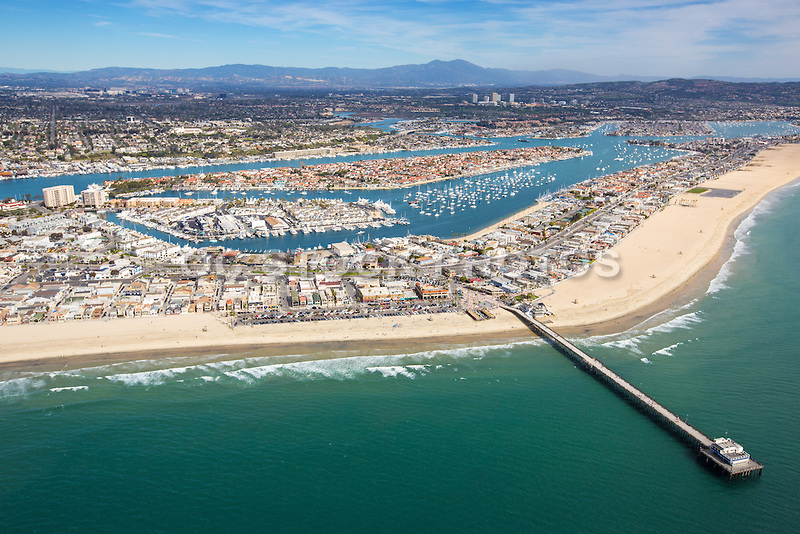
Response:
column 371, row 310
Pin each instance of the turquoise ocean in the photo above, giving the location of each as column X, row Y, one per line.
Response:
column 506, row 436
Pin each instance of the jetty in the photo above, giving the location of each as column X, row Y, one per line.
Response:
column 721, row 454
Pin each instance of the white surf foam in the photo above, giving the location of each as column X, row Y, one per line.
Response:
column 742, row 234
column 631, row 344
column 685, row 321
column 667, row 351
column 388, row 366
column 147, row 378
column 645, row 360
column 740, row 248
column 156, row 372
column 18, row 387
column 633, row 340
column 392, row 371
column 641, row 329
column 70, row 388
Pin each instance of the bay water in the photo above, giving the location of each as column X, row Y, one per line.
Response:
column 520, row 188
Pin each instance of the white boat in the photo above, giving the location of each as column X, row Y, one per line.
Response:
column 384, row 207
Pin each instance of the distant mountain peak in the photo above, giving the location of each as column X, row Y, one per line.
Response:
column 242, row 77
column 436, row 73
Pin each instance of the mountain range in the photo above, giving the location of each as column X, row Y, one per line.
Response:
column 456, row 73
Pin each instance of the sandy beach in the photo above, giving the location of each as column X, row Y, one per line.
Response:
column 658, row 263
column 189, row 332
column 660, row 259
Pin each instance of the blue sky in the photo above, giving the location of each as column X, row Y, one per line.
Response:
column 748, row 38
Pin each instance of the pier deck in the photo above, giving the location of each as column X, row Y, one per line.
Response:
column 650, row 406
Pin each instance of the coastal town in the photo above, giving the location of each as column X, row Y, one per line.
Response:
column 210, row 237
column 362, row 267
column 63, row 260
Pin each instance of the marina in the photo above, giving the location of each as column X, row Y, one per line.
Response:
column 254, row 218
column 452, row 207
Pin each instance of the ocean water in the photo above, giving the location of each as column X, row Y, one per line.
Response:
column 507, row 437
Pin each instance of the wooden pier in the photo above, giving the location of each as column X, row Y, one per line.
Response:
column 680, row 428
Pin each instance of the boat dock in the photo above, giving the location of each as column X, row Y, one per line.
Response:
column 706, row 447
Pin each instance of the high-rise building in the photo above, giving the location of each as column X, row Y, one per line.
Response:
column 474, row 98
column 59, row 195
column 94, row 195
column 511, row 98
column 495, row 97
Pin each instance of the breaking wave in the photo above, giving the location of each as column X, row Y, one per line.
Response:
column 631, row 344
column 740, row 248
column 392, row 371
column 742, row 234
column 69, row 388
column 18, row 387
column 685, row 322
column 639, row 340
column 146, row 378
column 187, row 372
column 667, row 351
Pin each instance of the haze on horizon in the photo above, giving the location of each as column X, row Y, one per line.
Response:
column 668, row 38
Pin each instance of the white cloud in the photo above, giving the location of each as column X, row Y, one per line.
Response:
column 607, row 36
